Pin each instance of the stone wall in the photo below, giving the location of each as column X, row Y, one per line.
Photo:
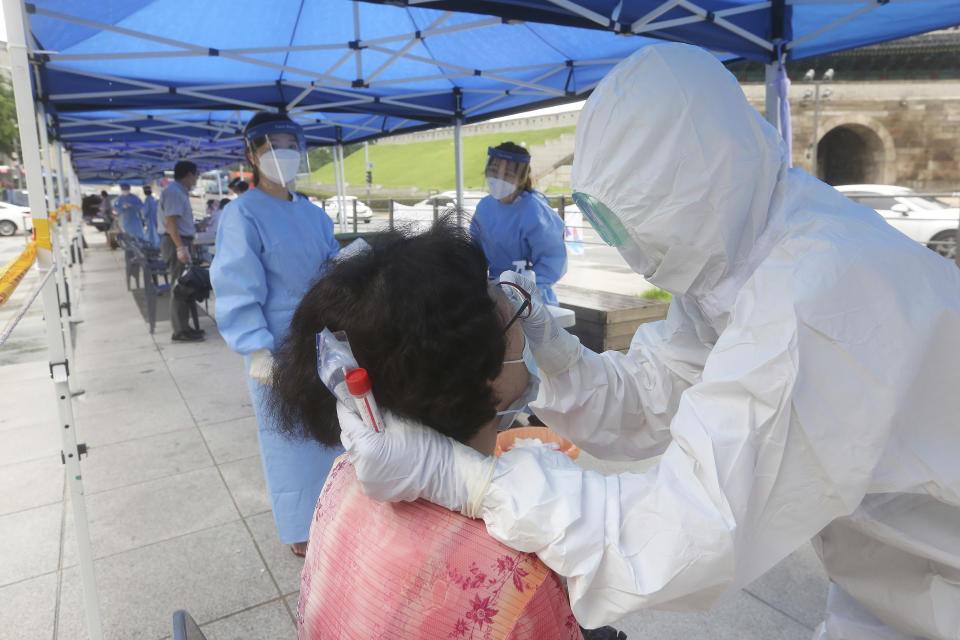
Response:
column 904, row 133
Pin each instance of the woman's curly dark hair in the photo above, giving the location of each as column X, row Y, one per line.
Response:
column 420, row 320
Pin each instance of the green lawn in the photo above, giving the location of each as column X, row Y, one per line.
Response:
column 430, row 165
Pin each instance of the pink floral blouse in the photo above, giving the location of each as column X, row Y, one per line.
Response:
column 413, row 570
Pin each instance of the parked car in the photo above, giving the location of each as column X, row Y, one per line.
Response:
column 921, row 218
column 419, row 216
column 13, row 219
column 332, row 207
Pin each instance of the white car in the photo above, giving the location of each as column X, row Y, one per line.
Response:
column 332, row 207
column 13, row 219
column 419, row 216
column 921, row 218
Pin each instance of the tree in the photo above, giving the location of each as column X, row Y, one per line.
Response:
column 9, row 133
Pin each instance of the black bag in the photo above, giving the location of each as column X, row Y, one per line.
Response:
column 194, row 284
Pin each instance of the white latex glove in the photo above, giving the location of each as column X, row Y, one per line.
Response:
column 409, row 461
column 261, row 367
column 183, row 254
column 552, row 346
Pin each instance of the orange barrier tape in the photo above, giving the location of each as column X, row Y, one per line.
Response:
column 12, row 273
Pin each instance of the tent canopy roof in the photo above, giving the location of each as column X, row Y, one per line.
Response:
column 177, row 77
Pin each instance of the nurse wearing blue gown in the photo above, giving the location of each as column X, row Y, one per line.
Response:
column 515, row 223
column 271, row 245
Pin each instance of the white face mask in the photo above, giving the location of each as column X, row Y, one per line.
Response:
column 280, row 165
column 500, row 189
column 508, row 415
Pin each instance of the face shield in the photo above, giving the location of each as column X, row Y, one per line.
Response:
column 283, row 156
column 611, row 230
column 506, row 172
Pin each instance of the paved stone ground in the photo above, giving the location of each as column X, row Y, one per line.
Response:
column 178, row 511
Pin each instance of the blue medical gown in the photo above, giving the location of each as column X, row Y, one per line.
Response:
column 129, row 207
column 150, row 221
column 525, row 229
column 268, row 252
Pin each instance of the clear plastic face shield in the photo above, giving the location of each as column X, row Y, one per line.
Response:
column 506, row 172
column 282, row 156
column 611, row 230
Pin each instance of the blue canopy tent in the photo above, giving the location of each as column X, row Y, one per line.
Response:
column 346, row 71
column 129, row 87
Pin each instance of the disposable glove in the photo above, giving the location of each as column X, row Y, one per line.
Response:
column 408, row 461
column 261, row 367
column 183, row 254
column 554, row 349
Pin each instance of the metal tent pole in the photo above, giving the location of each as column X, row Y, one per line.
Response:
column 63, row 284
column 458, row 163
column 458, row 152
column 341, row 215
column 772, row 101
column 343, row 186
column 59, row 367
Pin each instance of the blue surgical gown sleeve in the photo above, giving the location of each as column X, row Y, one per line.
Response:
column 240, row 284
column 544, row 239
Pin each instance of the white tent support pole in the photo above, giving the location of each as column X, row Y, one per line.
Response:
column 56, row 237
column 30, row 152
column 409, row 45
column 573, row 7
column 654, row 14
column 341, row 218
column 772, row 102
column 458, row 163
column 870, row 6
column 430, row 32
column 69, row 250
column 343, row 185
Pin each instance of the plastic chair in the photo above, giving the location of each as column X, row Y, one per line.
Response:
column 185, row 627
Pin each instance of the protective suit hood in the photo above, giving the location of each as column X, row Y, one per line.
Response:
column 670, row 145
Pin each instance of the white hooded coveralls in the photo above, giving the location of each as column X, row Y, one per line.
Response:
column 805, row 383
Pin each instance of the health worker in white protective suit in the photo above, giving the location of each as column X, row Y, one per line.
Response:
column 803, row 385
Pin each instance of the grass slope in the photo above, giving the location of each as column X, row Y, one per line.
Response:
column 430, row 165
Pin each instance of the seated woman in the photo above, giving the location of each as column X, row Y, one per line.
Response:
column 422, row 319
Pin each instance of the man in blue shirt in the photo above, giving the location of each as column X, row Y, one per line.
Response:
column 176, row 220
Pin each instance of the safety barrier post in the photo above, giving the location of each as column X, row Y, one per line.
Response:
column 390, row 214
column 59, row 366
column 458, row 152
column 354, row 216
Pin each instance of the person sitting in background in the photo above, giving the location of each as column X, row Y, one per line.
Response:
column 130, row 207
column 440, row 347
column 238, row 185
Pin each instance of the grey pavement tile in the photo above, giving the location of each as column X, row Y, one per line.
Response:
column 91, row 365
column 211, row 573
column 134, row 461
column 129, row 386
column 28, row 402
column 27, row 609
column 31, row 442
column 270, row 621
column 130, row 420
column 797, row 586
column 31, row 484
column 284, row 566
column 31, row 370
column 216, row 394
column 141, row 514
column 31, row 543
column 738, row 616
column 212, row 346
column 232, row 440
column 246, row 483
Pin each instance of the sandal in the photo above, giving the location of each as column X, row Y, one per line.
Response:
column 299, row 549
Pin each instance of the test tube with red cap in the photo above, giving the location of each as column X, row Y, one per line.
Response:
column 358, row 383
